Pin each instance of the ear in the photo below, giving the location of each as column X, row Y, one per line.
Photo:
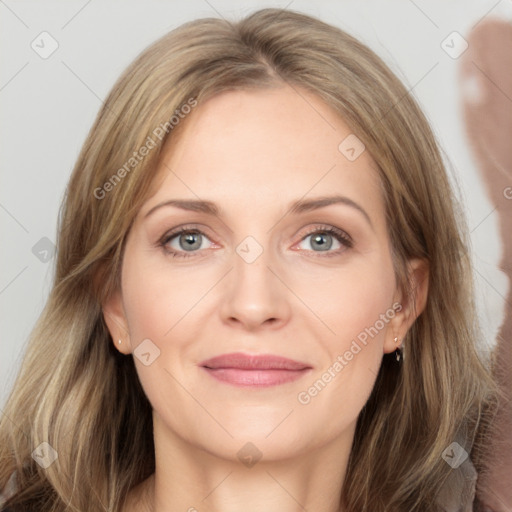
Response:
column 115, row 318
column 410, row 303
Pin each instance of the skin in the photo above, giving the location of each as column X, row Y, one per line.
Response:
column 253, row 153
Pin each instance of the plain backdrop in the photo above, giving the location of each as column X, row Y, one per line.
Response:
column 48, row 105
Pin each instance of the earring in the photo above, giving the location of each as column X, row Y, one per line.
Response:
column 398, row 352
column 120, row 341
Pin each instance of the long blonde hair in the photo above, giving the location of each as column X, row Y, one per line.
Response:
column 77, row 393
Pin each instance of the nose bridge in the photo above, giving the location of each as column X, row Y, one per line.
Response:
column 255, row 294
column 251, row 277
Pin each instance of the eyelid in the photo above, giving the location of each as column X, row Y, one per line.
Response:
column 341, row 235
column 170, row 233
column 328, row 228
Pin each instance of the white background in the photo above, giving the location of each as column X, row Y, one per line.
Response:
column 49, row 105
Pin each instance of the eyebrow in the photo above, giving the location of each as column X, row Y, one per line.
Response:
column 297, row 207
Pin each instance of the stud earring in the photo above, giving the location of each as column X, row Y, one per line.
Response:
column 120, row 341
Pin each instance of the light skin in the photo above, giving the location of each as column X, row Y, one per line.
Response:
column 305, row 297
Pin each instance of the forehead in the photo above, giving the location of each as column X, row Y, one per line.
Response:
column 263, row 148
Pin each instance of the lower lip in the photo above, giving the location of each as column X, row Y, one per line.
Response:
column 255, row 378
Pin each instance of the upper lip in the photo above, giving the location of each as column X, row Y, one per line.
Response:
column 253, row 362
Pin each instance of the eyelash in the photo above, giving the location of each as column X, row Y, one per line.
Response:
column 338, row 234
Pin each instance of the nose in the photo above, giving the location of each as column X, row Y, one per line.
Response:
column 255, row 295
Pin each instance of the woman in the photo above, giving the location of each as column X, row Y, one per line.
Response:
column 263, row 296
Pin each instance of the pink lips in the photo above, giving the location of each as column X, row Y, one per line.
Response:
column 254, row 370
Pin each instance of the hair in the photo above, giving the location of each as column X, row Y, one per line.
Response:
column 76, row 392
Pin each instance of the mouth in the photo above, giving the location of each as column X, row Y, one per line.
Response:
column 254, row 370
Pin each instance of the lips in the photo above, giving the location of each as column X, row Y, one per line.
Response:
column 253, row 362
column 254, row 370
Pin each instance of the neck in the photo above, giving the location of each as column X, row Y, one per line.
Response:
column 189, row 478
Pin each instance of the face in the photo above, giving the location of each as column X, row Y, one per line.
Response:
column 312, row 283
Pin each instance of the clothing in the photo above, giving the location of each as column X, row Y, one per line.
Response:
column 458, row 494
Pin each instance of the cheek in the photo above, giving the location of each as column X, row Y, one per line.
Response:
column 160, row 304
column 170, row 305
column 352, row 307
column 356, row 305
column 157, row 299
column 350, row 299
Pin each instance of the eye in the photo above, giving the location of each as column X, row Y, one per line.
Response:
column 323, row 238
column 185, row 242
column 182, row 241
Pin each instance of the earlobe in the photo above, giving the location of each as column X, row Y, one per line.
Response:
column 115, row 319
